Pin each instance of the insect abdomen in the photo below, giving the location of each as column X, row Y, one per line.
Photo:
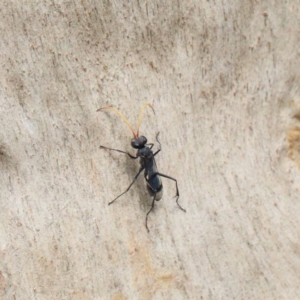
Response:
column 155, row 187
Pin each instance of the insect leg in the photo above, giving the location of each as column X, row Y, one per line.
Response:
column 151, row 145
column 131, row 156
column 149, row 212
column 156, row 152
column 159, row 145
column 158, row 141
column 177, row 191
column 135, row 178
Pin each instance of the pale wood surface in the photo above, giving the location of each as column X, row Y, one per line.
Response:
column 224, row 81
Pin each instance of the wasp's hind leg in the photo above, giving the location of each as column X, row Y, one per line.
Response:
column 177, row 190
column 135, row 178
column 152, row 206
column 155, row 193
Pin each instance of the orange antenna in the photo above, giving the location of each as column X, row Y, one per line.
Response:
column 141, row 116
column 121, row 116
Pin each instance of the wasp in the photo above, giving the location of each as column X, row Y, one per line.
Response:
column 147, row 161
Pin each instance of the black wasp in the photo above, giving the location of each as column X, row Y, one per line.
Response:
column 147, row 161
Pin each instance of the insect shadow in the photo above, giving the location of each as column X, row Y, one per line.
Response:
column 147, row 162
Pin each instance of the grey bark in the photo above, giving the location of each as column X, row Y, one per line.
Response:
column 223, row 78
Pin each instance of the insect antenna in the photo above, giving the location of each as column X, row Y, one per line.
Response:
column 121, row 116
column 141, row 116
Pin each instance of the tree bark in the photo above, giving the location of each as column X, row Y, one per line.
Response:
column 223, row 79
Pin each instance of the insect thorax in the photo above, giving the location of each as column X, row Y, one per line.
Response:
column 145, row 153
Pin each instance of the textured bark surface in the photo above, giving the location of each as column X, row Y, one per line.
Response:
column 224, row 81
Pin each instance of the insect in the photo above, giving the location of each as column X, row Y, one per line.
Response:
column 147, row 161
